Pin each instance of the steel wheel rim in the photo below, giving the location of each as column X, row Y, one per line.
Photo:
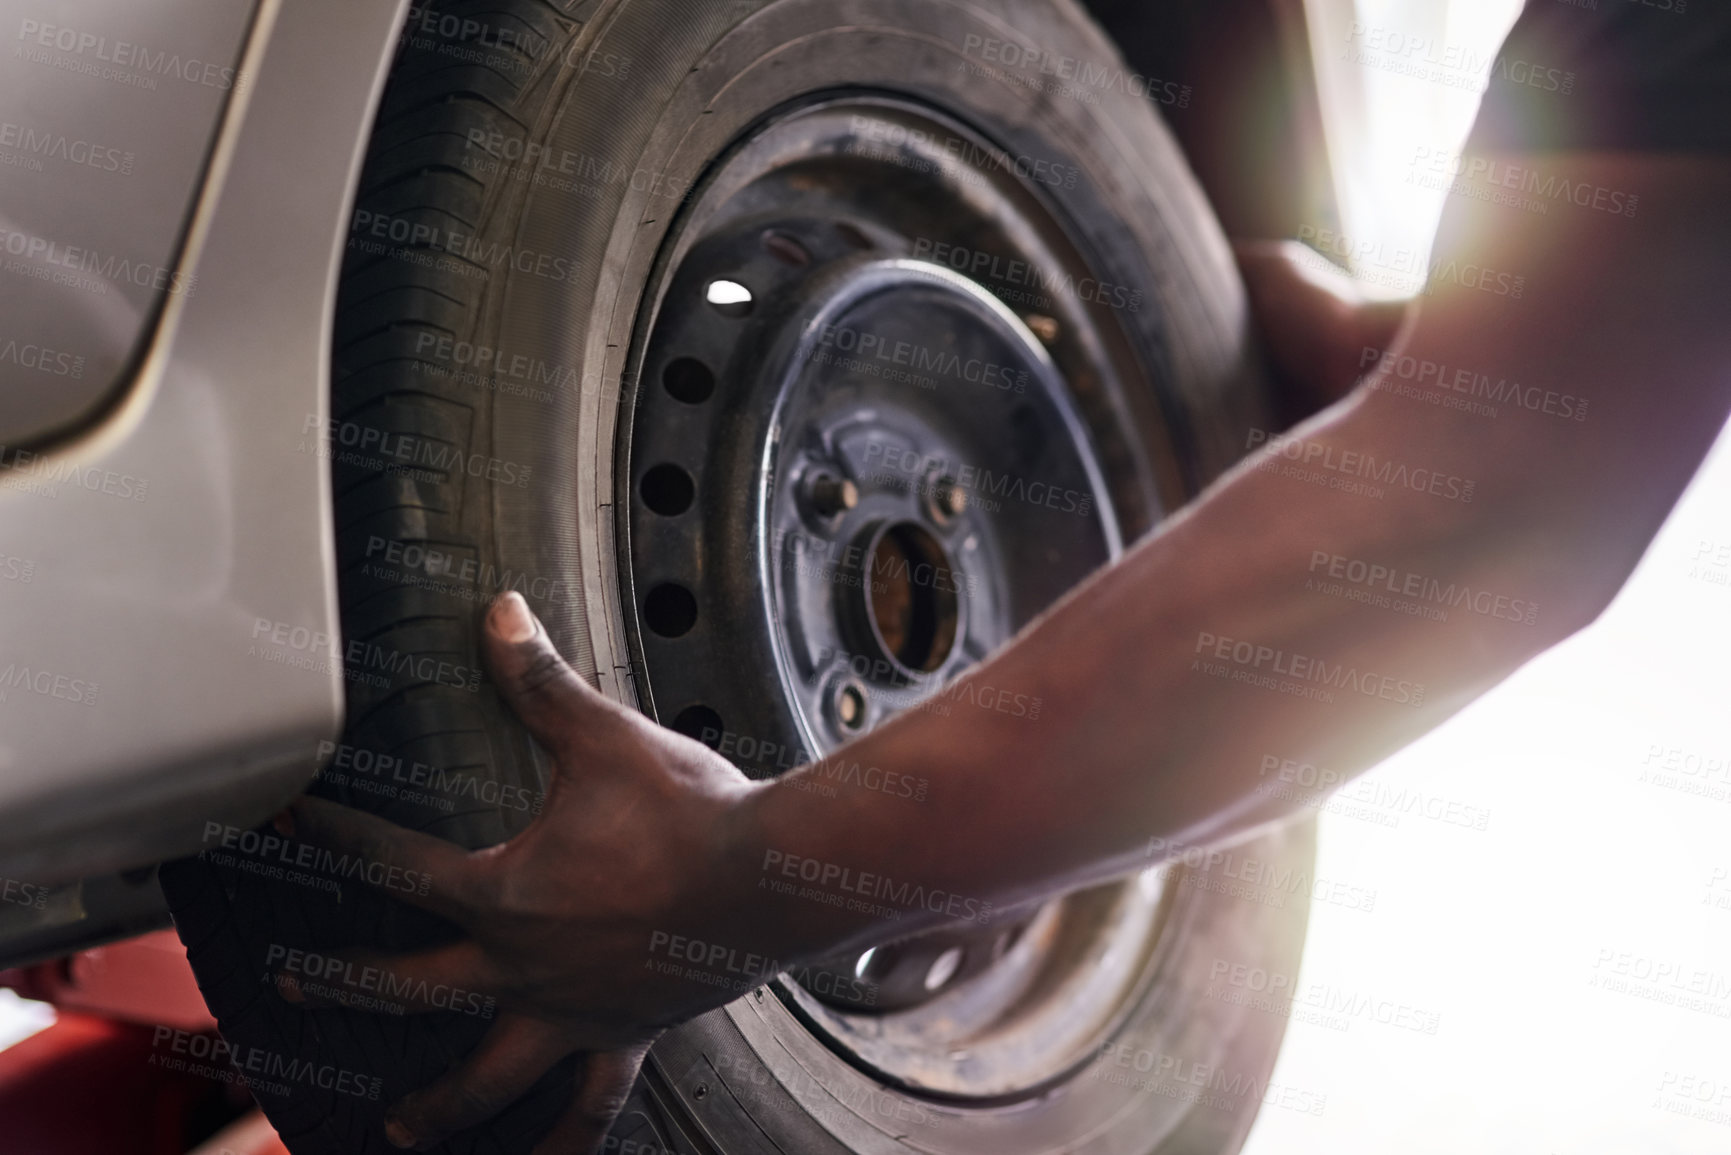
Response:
column 1044, row 1001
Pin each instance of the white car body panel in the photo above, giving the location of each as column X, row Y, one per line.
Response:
column 158, row 669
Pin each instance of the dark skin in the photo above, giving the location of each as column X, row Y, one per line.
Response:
column 1135, row 755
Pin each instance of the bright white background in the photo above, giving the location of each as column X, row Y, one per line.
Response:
column 1500, row 931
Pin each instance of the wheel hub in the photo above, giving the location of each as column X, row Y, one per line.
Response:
column 943, row 418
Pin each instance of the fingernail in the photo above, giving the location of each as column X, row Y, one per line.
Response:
column 512, row 619
column 399, row 1135
column 284, row 822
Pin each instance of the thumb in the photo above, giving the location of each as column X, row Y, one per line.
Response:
column 546, row 694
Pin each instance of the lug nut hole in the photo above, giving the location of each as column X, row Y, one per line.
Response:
column 850, row 706
column 830, row 495
column 948, row 500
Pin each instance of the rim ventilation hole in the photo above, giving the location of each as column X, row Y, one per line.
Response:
column 944, row 968
column 853, row 235
column 667, row 490
column 786, row 249
column 729, row 298
column 689, row 380
column 701, row 723
column 670, row 610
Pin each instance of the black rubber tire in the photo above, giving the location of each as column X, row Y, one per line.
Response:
column 628, row 98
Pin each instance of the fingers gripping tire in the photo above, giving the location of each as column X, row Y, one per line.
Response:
column 528, row 161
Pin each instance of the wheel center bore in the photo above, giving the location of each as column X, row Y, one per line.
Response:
column 909, row 596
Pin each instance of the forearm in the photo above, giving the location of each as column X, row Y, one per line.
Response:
column 1173, row 681
column 1167, row 686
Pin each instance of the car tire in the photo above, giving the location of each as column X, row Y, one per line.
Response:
column 527, row 163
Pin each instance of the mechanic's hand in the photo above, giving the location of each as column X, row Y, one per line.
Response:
column 1315, row 323
column 559, row 919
